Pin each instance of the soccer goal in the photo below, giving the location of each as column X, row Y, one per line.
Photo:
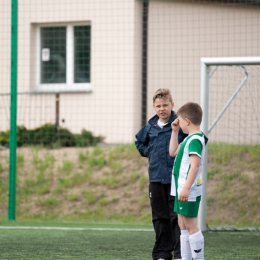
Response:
column 230, row 99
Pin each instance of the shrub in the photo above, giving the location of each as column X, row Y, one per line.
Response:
column 49, row 135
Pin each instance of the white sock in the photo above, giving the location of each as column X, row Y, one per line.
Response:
column 185, row 245
column 197, row 245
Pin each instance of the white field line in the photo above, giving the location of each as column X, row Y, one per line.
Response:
column 77, row 229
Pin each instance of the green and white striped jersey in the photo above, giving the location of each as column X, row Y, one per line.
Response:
column 192, row 144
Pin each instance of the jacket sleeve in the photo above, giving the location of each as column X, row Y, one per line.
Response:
column 142, row 140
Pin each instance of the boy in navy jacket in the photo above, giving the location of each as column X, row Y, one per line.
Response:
column 152, row 141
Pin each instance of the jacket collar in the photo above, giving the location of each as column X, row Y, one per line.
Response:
column 153, row 121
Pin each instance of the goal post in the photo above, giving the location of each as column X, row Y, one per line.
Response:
column 205, row 64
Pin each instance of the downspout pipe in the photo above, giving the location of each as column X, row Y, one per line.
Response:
column 145, row 16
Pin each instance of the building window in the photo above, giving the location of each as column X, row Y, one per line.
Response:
column 82, row 54
column 63, row 58
column 53, row 48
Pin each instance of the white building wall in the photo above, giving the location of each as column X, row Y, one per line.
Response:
column 110, row 109
column 5, row 63
column 181, row 32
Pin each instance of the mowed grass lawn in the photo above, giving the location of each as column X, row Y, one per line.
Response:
column 106, row 242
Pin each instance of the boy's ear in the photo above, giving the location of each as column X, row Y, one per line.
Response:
column 187, row 121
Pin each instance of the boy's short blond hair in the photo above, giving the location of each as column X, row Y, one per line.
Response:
column 163, row 93
column 191, row 111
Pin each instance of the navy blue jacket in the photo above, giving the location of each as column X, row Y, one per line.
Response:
column 153, row 142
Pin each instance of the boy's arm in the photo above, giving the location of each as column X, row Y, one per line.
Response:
column 142, row 141
column 194, row 163
column 174, row 145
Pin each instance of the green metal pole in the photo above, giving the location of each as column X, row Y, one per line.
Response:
column 13, row 112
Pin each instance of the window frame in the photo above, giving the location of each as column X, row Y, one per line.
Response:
column 70, row 85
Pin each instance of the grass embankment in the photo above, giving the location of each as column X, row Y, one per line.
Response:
column 233, row 195
column 111, row 183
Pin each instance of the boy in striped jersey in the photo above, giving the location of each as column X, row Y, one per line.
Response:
column 187, row 178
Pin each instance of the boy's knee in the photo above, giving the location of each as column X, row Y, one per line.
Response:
column 181, row 222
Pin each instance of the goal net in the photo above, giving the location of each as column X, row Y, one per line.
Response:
column 230, row 97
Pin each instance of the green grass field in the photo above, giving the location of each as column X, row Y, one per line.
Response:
column 49, row 240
